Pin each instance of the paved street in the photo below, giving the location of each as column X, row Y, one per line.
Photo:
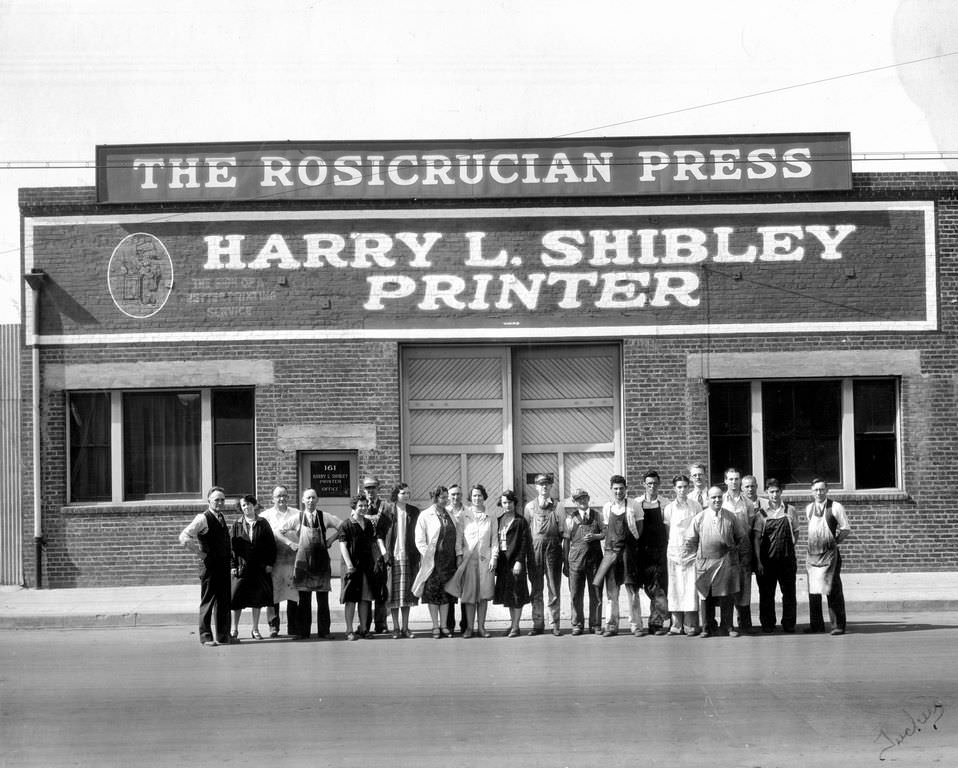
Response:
column 154, row 696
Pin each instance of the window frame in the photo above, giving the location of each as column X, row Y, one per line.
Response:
column 848, row 483
column 117, row 469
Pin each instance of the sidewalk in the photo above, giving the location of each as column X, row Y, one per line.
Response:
column 177, row 604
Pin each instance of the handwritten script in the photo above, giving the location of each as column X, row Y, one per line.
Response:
column 927, row 717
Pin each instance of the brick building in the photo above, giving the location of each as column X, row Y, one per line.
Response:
column 184, row 333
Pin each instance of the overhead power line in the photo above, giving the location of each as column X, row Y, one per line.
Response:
column 761, row 93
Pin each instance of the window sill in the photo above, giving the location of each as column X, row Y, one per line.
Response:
column 881, row 494
column 174, row 506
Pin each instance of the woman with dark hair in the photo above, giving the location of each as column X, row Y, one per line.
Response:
column 360, row 585
column 439, row 541
column 513, row 560
column 253, row 552
column 403, row 557
column 475, row 581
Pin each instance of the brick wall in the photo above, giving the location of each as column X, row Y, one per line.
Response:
column 664, row 413
column 101, row 545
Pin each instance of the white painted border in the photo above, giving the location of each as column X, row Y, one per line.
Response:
column 507, row 332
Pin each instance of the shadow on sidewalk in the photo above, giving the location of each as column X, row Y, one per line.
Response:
column 875, row 627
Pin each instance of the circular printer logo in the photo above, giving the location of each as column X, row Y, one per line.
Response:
column 140, row 275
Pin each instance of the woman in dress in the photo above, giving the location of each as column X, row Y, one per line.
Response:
column 360, row 586
column 513, row 560
column 439, row 541
column 683, row 597
column 403, row 556
column 253, row 552
column 474, row 581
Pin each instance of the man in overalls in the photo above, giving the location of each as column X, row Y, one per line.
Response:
column 774, row 539
column 547, row 523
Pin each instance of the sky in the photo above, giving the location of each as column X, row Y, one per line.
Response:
column 80, row 73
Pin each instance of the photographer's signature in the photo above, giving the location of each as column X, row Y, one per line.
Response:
column 927, row 717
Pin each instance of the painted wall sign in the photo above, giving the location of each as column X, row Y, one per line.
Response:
column 390, row 170
column 550, row 272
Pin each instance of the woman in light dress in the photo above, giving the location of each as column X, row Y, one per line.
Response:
column 474, row 581
column 439, row 541
column 683, row 596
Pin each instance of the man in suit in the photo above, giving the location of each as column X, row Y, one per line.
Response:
column 582, row 548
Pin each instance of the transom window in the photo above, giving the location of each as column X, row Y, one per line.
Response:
column 844, row 431
column 146, row 445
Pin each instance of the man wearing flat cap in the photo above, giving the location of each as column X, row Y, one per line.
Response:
column 381, row 518
column 583, row 553
column 547, row 523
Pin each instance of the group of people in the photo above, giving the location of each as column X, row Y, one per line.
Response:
column 688, row 555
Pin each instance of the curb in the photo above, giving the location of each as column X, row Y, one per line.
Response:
column 189, row 618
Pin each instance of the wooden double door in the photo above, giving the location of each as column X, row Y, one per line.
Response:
column 500, row 415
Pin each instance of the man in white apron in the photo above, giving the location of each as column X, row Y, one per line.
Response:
column 827, row 528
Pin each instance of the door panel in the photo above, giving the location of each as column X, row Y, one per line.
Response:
column 457, row 427
column 567, row 409
column 498, row 416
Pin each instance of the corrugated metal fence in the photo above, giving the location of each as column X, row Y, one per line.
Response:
column 11, row 558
